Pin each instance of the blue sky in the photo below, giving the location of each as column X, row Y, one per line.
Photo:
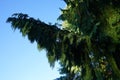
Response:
column 19, row 59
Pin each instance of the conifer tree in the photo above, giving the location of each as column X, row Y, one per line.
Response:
column 88, row 45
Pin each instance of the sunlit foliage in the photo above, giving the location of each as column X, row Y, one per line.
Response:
column 88, row 45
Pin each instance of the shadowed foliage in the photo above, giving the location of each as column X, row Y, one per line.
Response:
column 88, row 45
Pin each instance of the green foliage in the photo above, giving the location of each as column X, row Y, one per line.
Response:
column 88, row 45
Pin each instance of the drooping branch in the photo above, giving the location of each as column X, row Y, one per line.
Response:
column 57, row 42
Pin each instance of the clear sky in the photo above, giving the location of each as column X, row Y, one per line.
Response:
column 19, row 59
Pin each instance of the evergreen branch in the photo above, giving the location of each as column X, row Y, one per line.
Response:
column 49, row 37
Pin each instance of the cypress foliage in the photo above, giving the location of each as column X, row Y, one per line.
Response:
column 87, row 47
